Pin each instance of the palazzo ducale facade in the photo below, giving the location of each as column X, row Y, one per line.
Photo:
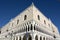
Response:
column 30, row 24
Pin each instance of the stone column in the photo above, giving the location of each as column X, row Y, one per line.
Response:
column 33, row 25
column 18, row 37
column 45, row 38
column 27, row 27
column 21, row 37
column 33, row 36
column 15, row 37
column 38, row 37
column 42, row 37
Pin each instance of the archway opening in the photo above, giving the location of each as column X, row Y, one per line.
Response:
column 19, row 38
column 40, row 38
column 27, row 37
column 36, row 38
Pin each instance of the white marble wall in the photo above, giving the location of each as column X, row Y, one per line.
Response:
column 31, row 12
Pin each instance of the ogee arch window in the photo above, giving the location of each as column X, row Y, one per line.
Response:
column 17, row 21
column 38, row 17
column 25, row 17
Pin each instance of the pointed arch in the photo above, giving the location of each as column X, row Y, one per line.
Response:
column 36, row 37
column 38, row 17
column 43, row 38
column 31, row 27
column 20, row 38
column 25, row 17
column 28, row 36
column 24, row 38
column 28, row 27
column 40, row 38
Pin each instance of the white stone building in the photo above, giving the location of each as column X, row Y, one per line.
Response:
column 31, row 24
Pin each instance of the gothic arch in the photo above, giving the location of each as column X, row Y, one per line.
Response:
column 36, row 37
column 28, row 27
column 43, row 38
column 20, row 38
column 24, row 38
column 27, row 36
column 40, row 38
column 31, row 27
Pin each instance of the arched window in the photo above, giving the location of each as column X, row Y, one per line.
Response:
column 36, row 38
column 27, row 37
column 34, row 27
column 28, row 27
column 40, row 38
column 54, row 36
column 43, row 38
column 24, row 38
column 19, row 38
column 38, row 17
column 17, row 21
column 31, row 27
column 25, row 17
column 0, row 32
column 44, row 22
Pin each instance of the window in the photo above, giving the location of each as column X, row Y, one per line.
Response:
column 24, row 38
column 17, row 21
column 36, row 38
column 43, row 38
column 31, row 27
column 38, row 17
column 54, row 36
column 25, row 17
column 7, row 30
column 40, row 38
column 34, row 27
column 29, row 37
column 0, row 32
column 20, row 38
column 28, row 27
column 44, row 22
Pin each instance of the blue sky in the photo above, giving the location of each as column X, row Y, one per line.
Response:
column 11, row 8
